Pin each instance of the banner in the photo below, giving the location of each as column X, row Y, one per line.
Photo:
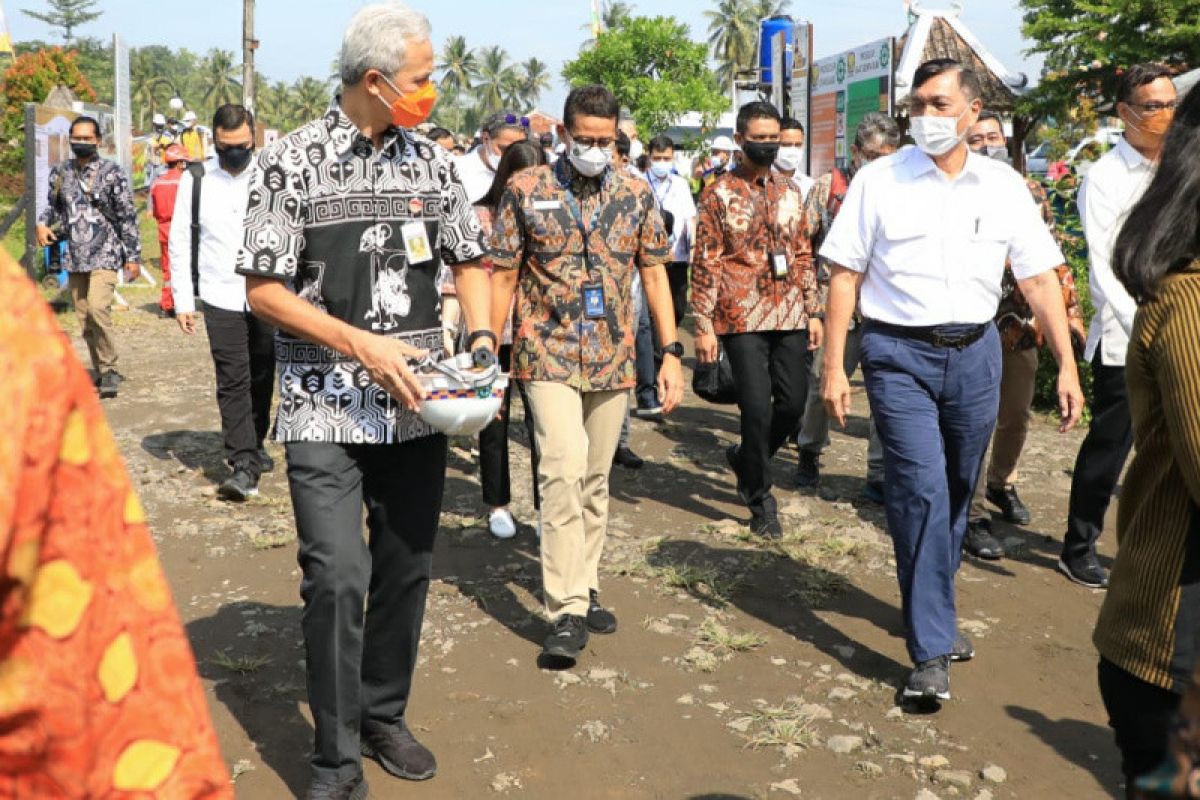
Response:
column 802, row 42
column 845, row 88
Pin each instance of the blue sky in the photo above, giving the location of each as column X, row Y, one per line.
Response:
column 300, row 37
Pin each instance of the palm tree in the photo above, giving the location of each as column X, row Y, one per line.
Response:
column 216, row 82
column 309, row 98
column 275, row 105
column 613, row 14
column 149, row 86
column 496, row 78
column 733, row 30
column 534, row 79
column 458, row 65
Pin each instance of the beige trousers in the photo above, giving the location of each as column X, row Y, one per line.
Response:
column 92, row 293
column 576, row 436
column 1017, row 384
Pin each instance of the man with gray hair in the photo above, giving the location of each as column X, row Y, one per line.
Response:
column 478, row 167
column 349, row 221
column 877, row 135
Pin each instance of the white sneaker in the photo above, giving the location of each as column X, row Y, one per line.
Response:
column 501, row 524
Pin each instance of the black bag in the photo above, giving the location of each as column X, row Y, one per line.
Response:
column 197, row 172
column 714, row 382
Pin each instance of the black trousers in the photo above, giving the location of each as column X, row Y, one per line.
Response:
column 771, row 373
column 494, row 473
column 677, row 275
column 362, row 668
column 243, row 353
column 1100, row 461
column 1140, row 715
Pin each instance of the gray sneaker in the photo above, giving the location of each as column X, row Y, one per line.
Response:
column 930, row 680
column 355, row 789
column 963, row 649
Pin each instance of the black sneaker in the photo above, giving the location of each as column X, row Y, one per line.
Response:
column 929, row 680
column 767, row 525
column 628, row 459
column 599, row 619
column 567, row 639
column 731, row 458
column 873, row 492
column 110, row 382
column 1009, row 502
column 808, row 471
column 1086, row 571
column 265, row 462
column 397, row 751
column 356, row 789
column 963, row 649
column 980, row 542
column 240, row 486
column 654, row 414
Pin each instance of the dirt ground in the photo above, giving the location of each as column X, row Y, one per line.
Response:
column 740, row 670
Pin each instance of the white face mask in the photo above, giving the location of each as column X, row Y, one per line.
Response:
column 490, row 158
column 589, row 161
column 789, row 159
column 660, row 169
column 937, row 135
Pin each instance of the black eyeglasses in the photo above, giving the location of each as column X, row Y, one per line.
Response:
column 512, row 119
column 591, row 141
column 1154, row 108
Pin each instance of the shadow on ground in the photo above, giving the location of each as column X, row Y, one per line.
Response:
column 204, row 450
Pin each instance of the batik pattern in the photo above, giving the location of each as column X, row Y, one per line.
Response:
column 734, row 288
column 535, row 232
column 328, row 214
column 76, row 198
column 1019, row 330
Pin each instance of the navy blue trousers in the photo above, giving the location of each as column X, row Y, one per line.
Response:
column 646, row 360
column 935, row 408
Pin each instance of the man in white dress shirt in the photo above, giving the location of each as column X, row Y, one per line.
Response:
column 242, row 345
column 1146, row 103
column 924, row 234
column 672, row 193
column 790, row 160
column 478, row 167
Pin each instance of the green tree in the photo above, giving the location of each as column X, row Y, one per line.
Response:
column 458, row 65
column 1086, row 45
column 309, row 99
column 534, row 78
column 217, row 83
column 66, row 14
column 655, row 70
column 733, row 31
column 496, row 80
column 28, row 79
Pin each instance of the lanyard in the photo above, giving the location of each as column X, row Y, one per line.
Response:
column 665, row 183
column 577, row 215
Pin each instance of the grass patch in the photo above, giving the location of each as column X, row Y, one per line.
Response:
column 722, row 641
column 242, row 665
column 706, row 583
column 818, row 586
column 783, row 726
column 271, row 541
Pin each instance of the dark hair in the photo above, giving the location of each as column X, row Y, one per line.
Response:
column 592, row 100
column 643, row 162
column 987, row 115
column 756, row 110
column 968, row 79
column 1162, row 232
column 1139, row 75
column 791, row 124
column 438, row 133
column 624, row 145
column 85, row 121
column 661, row 144
column 231, row 116
column 519, row 155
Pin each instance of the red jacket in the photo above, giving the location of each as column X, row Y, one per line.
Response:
column 162, row 198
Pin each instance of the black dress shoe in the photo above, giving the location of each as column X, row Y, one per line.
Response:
column 808, row 471
column 628, row 459
column 397, row 751
column 980, row 542
column 599, row 619
column 1084, row 570
column 1009, row 502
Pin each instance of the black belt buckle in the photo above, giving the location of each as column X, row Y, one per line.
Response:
column 957, row 342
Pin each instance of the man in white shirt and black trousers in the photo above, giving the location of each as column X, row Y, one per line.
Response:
column 242, row 345
column 924, row 234
column 1146, row 103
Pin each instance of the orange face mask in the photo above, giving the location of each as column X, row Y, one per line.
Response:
column 1155, row 125
column 410, row 110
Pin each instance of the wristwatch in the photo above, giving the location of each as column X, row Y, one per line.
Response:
column 672, row 349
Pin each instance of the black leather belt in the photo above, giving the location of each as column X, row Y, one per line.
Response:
column 932, row 335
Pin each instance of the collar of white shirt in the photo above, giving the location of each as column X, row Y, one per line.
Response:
column 917, row 163
column 1129, row 154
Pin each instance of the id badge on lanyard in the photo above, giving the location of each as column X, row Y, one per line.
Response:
column 595, row 307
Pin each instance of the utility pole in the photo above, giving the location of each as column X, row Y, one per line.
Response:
column 249, row 45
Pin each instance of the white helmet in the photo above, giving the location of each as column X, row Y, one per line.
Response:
column 159, row 119
column 461, row 396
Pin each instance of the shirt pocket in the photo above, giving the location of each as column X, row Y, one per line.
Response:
column 989, row 241
column 908, row 242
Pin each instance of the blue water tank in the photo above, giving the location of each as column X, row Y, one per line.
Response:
column 770, row 27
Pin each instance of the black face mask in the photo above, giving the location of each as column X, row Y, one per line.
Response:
column 234, row 159
column 760, row 154
column 83, row 149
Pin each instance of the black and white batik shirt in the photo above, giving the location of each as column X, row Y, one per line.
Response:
column 331, row 215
